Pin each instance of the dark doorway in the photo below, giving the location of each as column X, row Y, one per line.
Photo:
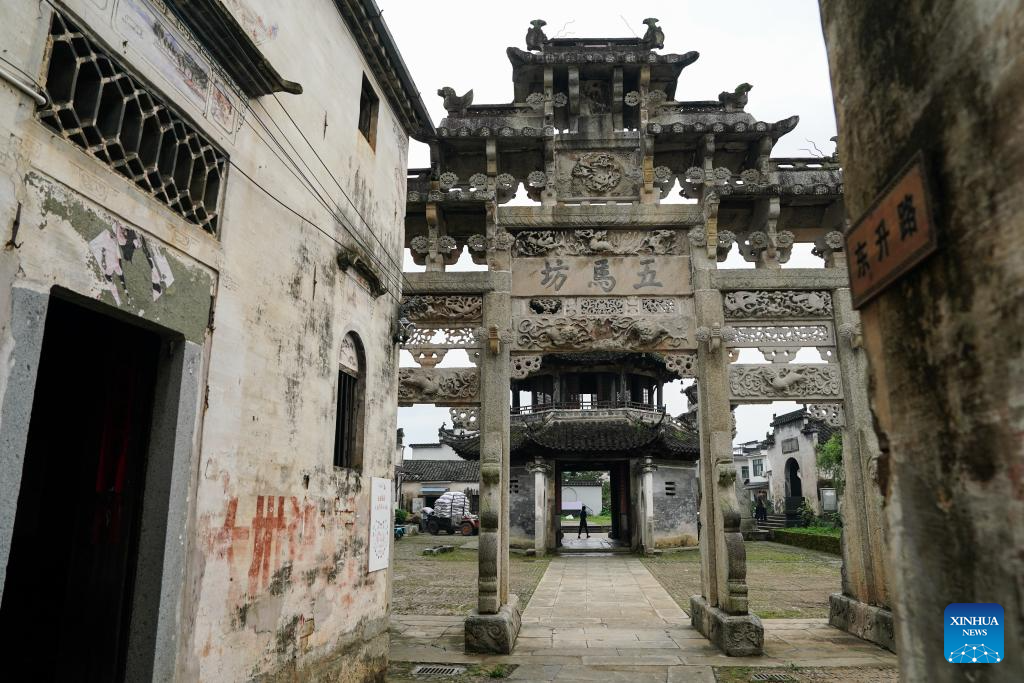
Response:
column 793, row 486
column 68, row 589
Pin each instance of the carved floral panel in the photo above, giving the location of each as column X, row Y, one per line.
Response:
column 783, row 335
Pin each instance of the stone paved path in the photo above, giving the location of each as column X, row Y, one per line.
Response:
column 608, row 619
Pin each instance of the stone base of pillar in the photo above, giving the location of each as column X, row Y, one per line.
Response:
column 494, row 633
column 735, row 635
column 865, row 621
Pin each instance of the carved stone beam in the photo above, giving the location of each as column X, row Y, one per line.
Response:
column 714, row 336
column 766, row 383
column 574, row 98
column 779, row 354
column 444, row 387
column 617, row 123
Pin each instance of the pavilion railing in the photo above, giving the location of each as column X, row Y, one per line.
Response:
column 586, row 405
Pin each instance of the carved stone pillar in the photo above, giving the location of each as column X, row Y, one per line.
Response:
column 720, row 613
column 541, row 471
column 647, row 469
column 494, row 625
column 863, row 607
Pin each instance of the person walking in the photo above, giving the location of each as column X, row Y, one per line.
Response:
column 760, row 513
column 583, row 522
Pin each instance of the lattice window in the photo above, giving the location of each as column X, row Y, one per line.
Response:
column 670, row 488
column 95, row 103
column 513, row 486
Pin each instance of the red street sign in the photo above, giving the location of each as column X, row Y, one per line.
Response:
column 894, row 235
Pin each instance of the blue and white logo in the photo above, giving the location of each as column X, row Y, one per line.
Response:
column 973, row 633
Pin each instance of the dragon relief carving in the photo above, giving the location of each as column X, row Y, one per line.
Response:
column 781, row 381
column 436, row 385
column 777, row 304
column 436, row 308
column 597, row 171
column 596, row 333
column 587, row 242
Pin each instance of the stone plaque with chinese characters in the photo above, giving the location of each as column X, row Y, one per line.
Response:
column 601, row 276
column 893, row 236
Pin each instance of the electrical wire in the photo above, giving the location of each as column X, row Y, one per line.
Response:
column 390, row 276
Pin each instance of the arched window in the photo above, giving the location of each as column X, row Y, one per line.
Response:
column 348, row 431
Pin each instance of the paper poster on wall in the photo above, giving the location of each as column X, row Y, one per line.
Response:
column 380, row 523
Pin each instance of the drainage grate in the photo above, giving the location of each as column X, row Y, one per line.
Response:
column 437, row 670
column 772, row 677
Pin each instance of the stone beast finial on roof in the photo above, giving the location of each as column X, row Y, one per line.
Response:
column 737, row 99
column 535, row 37
column 654, row 39
column 453, row 104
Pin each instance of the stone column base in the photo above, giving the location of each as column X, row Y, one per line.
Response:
column 735, row 635
column 865, row 621
column 494, row 633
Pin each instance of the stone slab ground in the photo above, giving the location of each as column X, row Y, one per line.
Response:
column 610, row 619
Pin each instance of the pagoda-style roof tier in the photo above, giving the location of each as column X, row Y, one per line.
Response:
column 596, row 59
column 572, row 434
column 649, row 364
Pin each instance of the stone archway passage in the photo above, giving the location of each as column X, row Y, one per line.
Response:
column 794, row 487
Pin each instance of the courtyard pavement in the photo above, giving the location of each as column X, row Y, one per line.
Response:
column 608, row 619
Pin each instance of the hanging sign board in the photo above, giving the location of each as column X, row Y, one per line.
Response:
column 380, row 524
column 895, row 234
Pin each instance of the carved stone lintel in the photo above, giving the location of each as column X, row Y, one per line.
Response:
column 448, row 386
column 443, row 308
column 599, row 332
column 778, row 382
column 524, row 366
column 428, row 357
column 777, row 304
column 586, row 242
column 785, row 335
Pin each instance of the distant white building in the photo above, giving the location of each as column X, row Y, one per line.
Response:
column 431, row 451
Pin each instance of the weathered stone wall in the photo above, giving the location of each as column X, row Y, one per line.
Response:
column 947, row 372
column 675, row 516
column 276, row 543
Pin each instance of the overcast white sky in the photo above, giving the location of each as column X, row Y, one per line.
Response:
column 775, row 46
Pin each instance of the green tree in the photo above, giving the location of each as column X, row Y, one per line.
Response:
column 830, row 460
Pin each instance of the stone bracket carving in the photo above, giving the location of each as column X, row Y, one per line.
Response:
column 715, row 335
column 465, row 418
column 779, row 354
column 684, row 365
column 539, row 466
column 851, row 333
column 524, row 366
column 444, row 387
column 746, row 304
column 492, row 337
column 831, row 414
column 762, row 383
